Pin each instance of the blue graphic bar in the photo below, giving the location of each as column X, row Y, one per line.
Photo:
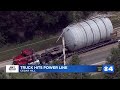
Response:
column 58, row 68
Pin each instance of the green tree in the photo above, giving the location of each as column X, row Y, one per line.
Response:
column 114, row 59
column 20, row 26
column 75, row 60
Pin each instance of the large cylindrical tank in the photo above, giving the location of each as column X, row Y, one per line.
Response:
column 87, row 33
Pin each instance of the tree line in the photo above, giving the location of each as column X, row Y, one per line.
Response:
column 20, row 26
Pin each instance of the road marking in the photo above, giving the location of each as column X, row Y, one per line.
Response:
column 6, row 61
column 94, row 73
column 99, row 63
column 2, row 65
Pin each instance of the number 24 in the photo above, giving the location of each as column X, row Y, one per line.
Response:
column 110, row 68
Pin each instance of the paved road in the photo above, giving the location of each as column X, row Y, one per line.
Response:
column 97, row 55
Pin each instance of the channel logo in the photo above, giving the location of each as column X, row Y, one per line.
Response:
column 108, row 68
column 12, row 68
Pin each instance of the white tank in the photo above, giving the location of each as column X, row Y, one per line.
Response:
column 87, row 33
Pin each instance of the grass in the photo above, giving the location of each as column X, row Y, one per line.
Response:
column 115, row 19
column 37, row 47
column 97, row 76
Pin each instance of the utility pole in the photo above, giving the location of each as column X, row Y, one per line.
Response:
column 63, row 42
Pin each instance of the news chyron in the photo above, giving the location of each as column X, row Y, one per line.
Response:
column 12, row 68
column 60, row 68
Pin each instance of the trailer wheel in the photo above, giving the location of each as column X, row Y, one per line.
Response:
column 14, row 63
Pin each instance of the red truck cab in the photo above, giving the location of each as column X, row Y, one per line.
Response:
column 24, row 58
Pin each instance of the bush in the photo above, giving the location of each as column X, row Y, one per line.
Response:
column 75, row 60
column 2, row 75
column 114, row 59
